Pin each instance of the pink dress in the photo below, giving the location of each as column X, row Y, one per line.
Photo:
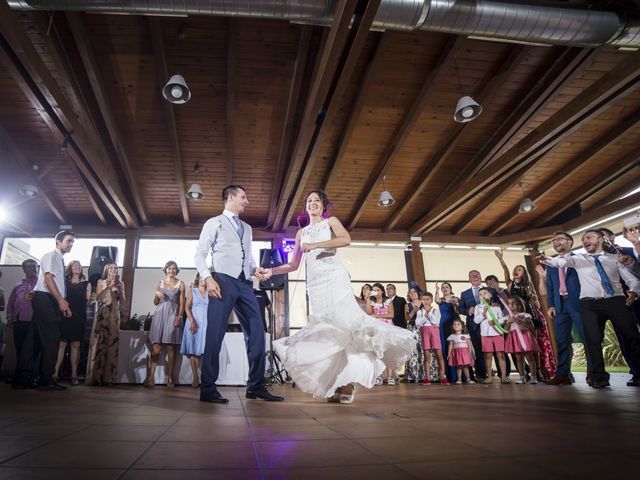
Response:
column 382, row 309
column 460, row 355
column 513, row 343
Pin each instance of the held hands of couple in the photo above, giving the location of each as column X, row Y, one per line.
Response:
column 64, row 307
column 263, row 274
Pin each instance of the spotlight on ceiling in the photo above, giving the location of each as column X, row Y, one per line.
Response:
column 195, row 190
column 467, row 109
column 176, row 90
column 526, row 205
column 386, row 199
column 29, row 191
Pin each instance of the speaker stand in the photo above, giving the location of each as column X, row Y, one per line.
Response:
column 274, row 374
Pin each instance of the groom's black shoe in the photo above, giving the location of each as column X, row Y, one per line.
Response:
column 213, row 397
column 264, row 394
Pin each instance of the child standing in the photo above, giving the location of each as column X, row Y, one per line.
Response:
column 492, row 334
column 520, row 340
column 380, row 307
column 428, row 320
column 460, row 351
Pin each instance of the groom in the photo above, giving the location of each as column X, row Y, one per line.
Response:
column 230, row 288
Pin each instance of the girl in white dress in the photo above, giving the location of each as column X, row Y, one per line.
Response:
column 341, row 345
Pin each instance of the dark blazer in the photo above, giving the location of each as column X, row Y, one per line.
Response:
column 629, row 251
column 553, row 289
column 398, row 312
column 467, row 300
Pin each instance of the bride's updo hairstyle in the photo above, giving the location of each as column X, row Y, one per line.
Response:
column 304, row 216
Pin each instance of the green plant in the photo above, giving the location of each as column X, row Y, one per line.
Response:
column 610, row 350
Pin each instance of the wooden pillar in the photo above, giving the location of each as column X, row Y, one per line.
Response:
column 415, row 264
column 128, row 266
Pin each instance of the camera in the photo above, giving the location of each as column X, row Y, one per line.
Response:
column 373, row 298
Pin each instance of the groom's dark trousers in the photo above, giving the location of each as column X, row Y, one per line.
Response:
column 237, row 295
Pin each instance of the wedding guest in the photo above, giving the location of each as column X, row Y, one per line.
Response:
column 363, row 299
column 195, row 332
column 380, row 307
column 166, row 325
column 519, row 283
column 49, row 305
column 398, row 306
column 492, row 282
column 468, row 301
column 520, row 340
column 415, row 366
column 72, row 328
column 448, row 305
column 602, row 299
column 19, row 317
column 461, row 352
column 428, row 320
column 563, row 299
column 487, row 316
column 102, row 366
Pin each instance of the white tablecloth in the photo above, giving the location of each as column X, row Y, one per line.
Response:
column 134, row 352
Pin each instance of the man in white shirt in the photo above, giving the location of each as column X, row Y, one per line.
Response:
column 230, row 288
column 602, row 299
column 49, row 305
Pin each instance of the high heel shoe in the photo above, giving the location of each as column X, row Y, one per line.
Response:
column 170, row 383
column 347, row 398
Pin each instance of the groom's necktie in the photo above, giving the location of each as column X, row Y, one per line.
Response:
column 604, row 279
column 239, row 226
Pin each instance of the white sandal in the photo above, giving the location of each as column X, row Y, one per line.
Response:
column 348, row 398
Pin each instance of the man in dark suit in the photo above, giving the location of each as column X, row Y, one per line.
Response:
column 563, row 298
column 468, row 301
column 398, row 306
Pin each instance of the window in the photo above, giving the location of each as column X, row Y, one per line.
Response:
column 16, row 250
column 154, row 253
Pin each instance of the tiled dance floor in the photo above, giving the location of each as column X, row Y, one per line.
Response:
column 409, row 431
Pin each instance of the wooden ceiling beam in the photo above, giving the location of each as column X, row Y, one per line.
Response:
column 492, row 84
column 590, row 154
column 612, row 173
column 622, row 190
column 328, row 61
column 293, row 104
column 351, row 53
column 99, row 91
column 13, row 151
column 565, row 67
column 406, row 126
column 163, row 72
column 85, row 185
column 232, row 47
column 355, row 112
column 39, row 104
column 46, row 96
column 609, row 89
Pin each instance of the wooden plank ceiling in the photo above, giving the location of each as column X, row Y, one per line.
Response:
column 284, row 108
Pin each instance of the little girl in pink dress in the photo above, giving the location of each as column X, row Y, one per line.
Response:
column 460, row 351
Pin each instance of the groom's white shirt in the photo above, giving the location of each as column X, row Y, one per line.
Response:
column 229, row 253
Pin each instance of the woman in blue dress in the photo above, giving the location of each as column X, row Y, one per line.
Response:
column 195, row 332
column 448, row 313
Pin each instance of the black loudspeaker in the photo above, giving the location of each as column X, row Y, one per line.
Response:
column 100, row 256
column 270, row 258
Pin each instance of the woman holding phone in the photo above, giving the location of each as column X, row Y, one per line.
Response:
column 102, row 366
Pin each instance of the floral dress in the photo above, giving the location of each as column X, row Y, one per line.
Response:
column 414, row 368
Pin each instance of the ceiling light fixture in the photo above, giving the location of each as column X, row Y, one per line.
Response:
column 467, row 108
column 195, row 190
column 526, row 205
column 386, row 199
column 29, row 191
column 176, row 90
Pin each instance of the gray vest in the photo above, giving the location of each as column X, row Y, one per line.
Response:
column 230, row 254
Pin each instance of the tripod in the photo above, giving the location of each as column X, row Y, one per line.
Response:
column 274, row 373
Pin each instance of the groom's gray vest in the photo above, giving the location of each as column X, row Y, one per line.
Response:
column 230, row 254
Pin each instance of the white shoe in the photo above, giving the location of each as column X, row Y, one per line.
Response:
column 391, row 381
column 335, row 398
column 346, row 398
column 521, row 381
column 378, row 381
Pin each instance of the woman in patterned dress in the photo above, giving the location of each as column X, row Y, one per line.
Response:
column 102, row 366
column 414, row 369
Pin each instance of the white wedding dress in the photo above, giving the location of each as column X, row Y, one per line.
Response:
column 341, row 344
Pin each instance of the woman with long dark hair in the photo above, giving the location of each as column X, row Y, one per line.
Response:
column 72, row 328
column 341, row 345
column 448, row 304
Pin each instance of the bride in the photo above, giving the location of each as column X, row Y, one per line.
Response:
column 341, row 345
